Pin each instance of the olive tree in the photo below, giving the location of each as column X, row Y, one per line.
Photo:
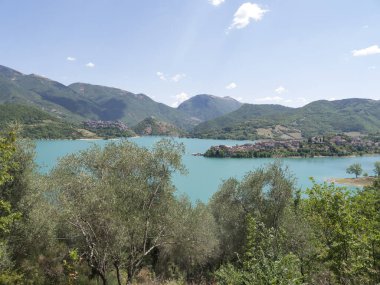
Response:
column 194, row 242
column 264, row 193
column 116, row 203
column 344, row 229
column 377, row 168
column 355, row 168
column 7, row 215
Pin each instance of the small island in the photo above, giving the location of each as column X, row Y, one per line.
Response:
column 318, row 146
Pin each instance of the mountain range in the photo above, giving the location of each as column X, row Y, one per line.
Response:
column 203, row 116
column 276, row 121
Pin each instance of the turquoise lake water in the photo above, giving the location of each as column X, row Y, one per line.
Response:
column 206, row 174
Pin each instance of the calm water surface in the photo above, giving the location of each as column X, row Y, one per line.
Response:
column 206, row 174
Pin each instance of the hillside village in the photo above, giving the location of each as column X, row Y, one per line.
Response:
column 338, row 145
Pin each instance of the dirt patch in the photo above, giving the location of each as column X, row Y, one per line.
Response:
column 358, row 182
column 267, row 133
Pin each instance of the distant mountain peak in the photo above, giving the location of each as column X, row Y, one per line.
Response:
column 205, row 107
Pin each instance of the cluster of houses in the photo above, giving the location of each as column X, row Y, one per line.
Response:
column 260, row 146
column 344, row 141
column 105, row 125
column 319, row 143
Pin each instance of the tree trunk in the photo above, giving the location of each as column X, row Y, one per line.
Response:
column 116, row 264
column 104, row 279
column 130, row 276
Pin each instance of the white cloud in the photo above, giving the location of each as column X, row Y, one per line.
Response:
column 174, row 78
column 70, row 58
column 245, row 14
column 181, row 97
column 375, row 49
column 161, row 75
column 331, row 99
column 178, row 77
column 232, row 85
column 373, row 67
column 90, row 65
column 216, row 2
column 280, row 90
column 270, row 99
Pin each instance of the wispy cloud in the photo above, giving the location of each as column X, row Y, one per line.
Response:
column 90, row 65
column 178, row 77
column 179, row 98
column 245, row 14
column 216, row 2
column 161, row 75
column 270, row 99
column 173, row 78
column 375, row 49
column 232, row 85
column 300, row 101
column 70, row 58
column 280, row 90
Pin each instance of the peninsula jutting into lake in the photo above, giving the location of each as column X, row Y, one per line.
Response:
column 338, row 145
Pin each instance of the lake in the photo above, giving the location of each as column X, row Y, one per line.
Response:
column 206, row 174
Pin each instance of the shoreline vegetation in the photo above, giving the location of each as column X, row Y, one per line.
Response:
column 318, row 146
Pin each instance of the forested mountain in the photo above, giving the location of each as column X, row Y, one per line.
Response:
column 320, row 117
column 207, row 107
column 35, row 123
column 45, row 94
column 131, row 108
column 80, row 101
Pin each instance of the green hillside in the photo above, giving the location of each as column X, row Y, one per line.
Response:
column 131, row 108
column 79, row 102
column 206, row 107
column 320, row 117
column 48, row 95
column 36, row 124
column 153, row 127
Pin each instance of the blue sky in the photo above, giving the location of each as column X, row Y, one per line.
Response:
column 286, row 52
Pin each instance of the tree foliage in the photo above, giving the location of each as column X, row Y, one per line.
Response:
column 377, row 168
column 356, row 169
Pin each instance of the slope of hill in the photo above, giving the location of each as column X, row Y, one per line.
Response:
column 206, row 107
column 153, row 127
column 48, row 95
column 79, row 101
column 317, row 118
column 36, row 124
column 129, row 107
